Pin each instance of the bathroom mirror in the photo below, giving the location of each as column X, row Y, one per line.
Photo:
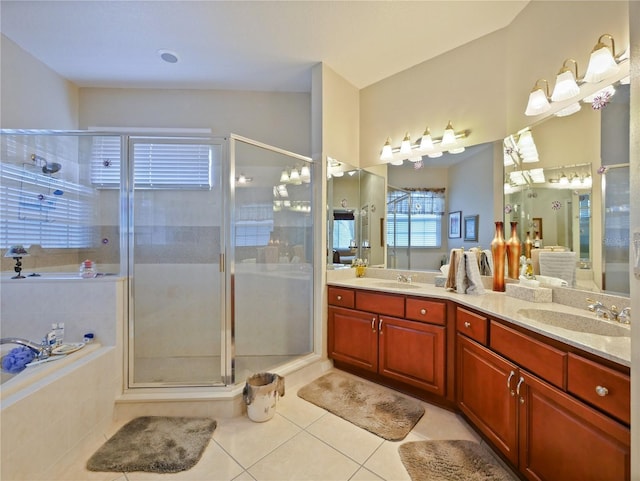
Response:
column 355, row 215
column 578, row 154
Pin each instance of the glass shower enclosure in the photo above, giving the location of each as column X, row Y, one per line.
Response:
column 213, row 235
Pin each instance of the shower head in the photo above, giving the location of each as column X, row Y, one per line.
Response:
column 47, row 167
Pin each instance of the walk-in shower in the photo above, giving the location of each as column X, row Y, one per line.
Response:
column 214, row 235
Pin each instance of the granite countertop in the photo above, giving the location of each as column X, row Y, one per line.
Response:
column 499, row 305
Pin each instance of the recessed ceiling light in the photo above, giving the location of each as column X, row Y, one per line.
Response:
column 168, row 56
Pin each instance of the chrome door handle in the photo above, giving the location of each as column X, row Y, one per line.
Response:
column 380, row 326
column 601, row 391
column 373, row 324
column 518, row 390
column 511, row 391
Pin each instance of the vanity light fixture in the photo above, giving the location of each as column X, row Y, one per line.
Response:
column 457, row 150
column 587, row 181
column 602, row 62
column 564, row 180
column 243, row 180
column 571, row 109
column 575, row 180
column 405, row 146
column 305, row 174
column 415, row 157
column 397, row 161
column 387, row 152
column 537, row 176
column 566, row 85
column 538, row 99
column 449, row 136
column 434, row 155
column 527, row 147
column 294, row 177
column 426, row 142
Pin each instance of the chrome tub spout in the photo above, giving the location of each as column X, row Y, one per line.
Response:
column 36, row 348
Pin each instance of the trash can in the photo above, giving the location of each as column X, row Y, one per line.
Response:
column 260, row 394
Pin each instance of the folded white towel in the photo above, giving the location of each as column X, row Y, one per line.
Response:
column 487, row 252
column 474, row 280
column 551, row 281
column 559, row 264
column 461, row 274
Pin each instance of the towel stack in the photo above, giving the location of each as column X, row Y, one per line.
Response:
column 464, row 273
column 559, row 264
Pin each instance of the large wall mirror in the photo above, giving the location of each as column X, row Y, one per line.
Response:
column 575, row 197
column 355, row 216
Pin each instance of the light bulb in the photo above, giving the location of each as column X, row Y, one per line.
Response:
column 426, row 142
column 387, row 152
column 405, row 146
column 602, row 62
column 449, row 136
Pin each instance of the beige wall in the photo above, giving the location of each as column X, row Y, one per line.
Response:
column 32, row 96
column 279, row 119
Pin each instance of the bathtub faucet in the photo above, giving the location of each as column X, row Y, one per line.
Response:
column 42, row 350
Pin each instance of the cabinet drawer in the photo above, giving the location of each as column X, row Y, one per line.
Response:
column 433, row 312
column 600, row 386
column 341, row 297
column 535, row 356
column 387, row 304
column 472, row 325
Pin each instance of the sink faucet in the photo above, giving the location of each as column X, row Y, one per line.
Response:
column 42, row 350
column 611, row 313
column 404, row 278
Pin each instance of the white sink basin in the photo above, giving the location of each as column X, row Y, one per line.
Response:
column 397, row 285
column 577, row 323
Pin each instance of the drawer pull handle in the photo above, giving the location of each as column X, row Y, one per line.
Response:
column 467, row 324
column 601, row 391
column 511, row 391
column 380, row 325
column 423, row 311
column 339, row 298
column 518, row 390
column 373, row 324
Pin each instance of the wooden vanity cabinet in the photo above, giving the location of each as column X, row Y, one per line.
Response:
column 514, row 390
column 376, row 336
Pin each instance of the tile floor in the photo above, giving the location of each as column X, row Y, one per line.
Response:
column 301, row 442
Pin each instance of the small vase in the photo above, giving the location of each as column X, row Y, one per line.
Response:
column 528, row 245
column 360, row 271
column 498, row 252
column 514, row 250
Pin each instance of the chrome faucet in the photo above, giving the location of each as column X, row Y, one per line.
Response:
column 42, row 350
column 610, row 313
column 404, row 278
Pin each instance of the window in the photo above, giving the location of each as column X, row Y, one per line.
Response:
column 254, row 225
column 157, row 164
column 344, row 229
column 40, row 209
column 415, row 219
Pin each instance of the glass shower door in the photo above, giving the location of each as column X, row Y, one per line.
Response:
column 175, row 245
column 615, row 240
column 270, row 266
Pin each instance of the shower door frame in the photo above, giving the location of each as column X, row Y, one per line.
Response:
column 127, row 247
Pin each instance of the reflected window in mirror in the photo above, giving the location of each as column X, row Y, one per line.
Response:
column 415, row 217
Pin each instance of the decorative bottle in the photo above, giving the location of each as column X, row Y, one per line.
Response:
column 498, row 252
column 528, row 245
column 514, row 249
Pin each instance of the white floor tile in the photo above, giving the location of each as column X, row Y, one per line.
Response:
column 248, row 442
column 363, row 474
column 385, row 461
column 304, row 458
column 297, row 410
column 347, row 438
column 438, row 423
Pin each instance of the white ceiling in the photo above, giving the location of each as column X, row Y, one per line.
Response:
column 243, row 45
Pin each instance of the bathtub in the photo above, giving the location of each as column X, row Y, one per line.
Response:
column 50, row 408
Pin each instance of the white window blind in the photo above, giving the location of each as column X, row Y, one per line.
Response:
column 415, row 220
column 43, row 210
column 157, row 165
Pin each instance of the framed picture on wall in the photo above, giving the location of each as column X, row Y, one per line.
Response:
column 455, row 224
column 471, row 227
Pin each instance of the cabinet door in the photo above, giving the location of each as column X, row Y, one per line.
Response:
column 486, row 386
column 563, row 439
column 413, row 353
column 353, row 337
